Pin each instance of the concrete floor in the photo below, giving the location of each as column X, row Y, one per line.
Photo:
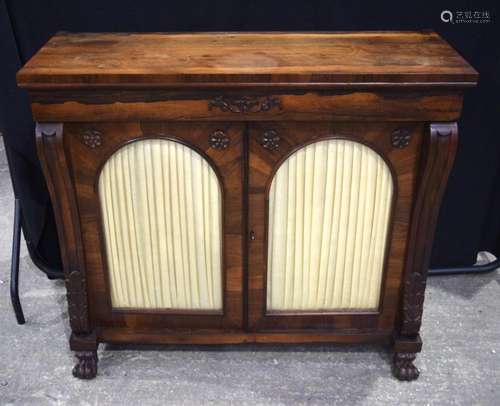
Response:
column 460, row 362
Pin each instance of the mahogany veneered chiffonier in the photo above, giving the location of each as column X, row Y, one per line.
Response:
column 220, row 188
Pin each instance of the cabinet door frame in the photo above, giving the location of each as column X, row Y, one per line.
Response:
column 264, row 160
column 221, row 144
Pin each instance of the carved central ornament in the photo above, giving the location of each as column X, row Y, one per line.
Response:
column 92, row 138
column 218, row 140
column 245, row 104
column 270, row 140
column 400, row 138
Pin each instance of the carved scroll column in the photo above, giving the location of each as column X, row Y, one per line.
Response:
column 57, row 174
column 56, row 170
column 437, row 161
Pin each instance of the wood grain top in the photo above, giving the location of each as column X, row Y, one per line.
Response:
column 326, row 59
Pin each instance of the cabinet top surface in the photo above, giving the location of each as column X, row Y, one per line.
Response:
column 335, row 59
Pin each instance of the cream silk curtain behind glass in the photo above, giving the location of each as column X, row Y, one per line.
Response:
column 161, row 209
column 329, row 207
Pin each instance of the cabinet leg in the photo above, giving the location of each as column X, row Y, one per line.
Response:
column 405, row 352
column 85, row 348
column 403, row 368
column 86, row 366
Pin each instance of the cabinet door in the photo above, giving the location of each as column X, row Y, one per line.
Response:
column 329, row 209
column 160, row 207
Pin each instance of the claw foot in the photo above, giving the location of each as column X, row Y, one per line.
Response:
column 86, row 367
column 403, row 368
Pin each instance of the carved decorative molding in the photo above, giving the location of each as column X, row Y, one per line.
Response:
column 414, row 301
column 92, row 138
column 403, row 368
column 442, row 130
column 218, row 140
column 77, row 301
column 49, row 130
column 400, row 138
column 245, row 104
column 270, row 140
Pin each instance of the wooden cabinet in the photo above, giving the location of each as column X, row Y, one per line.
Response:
column 235, row 188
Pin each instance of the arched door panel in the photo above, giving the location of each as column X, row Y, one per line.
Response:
column 328, row 217
column 161, row 205
column 329, row 209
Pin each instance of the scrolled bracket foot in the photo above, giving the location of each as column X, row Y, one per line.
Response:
column 403, row 367
column 86, row 367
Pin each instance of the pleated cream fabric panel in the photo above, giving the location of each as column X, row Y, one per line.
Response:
column 329, row 207
column 161, row 209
